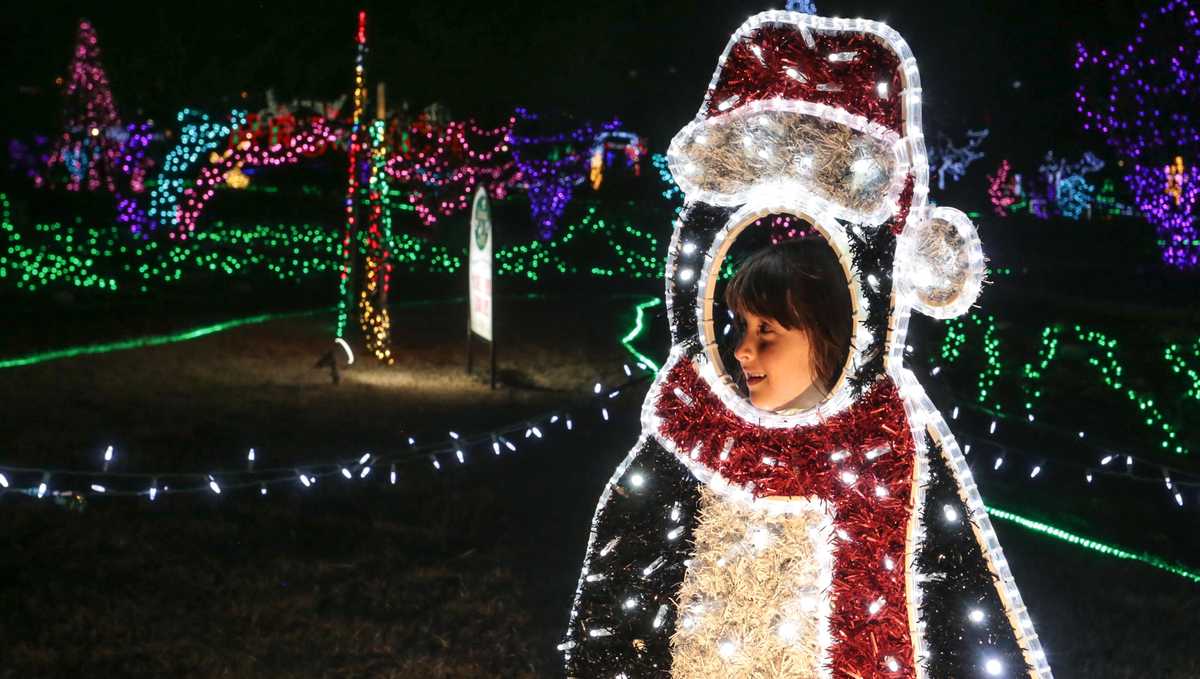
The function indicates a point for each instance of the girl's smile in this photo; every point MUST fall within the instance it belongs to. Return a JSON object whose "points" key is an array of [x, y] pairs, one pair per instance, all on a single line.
{"points": [[776, 361]]}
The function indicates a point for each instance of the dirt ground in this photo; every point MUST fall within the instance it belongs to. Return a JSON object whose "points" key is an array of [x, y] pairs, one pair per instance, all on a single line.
{"points": [[460, 573]]}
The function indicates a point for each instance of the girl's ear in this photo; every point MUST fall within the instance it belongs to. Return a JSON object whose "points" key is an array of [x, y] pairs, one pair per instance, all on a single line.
{"points": [[939, 263]]}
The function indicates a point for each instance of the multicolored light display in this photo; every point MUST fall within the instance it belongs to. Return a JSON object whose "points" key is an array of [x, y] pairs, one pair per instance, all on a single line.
{"points": [[979, 330], [308, 141], [87, 148], [439, 166], [357, 171], [551, 165], [1143, 99], [198, 136]]}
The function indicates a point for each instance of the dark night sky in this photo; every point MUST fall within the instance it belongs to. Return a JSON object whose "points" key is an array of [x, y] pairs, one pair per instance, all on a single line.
{"points": [[647, 62]]}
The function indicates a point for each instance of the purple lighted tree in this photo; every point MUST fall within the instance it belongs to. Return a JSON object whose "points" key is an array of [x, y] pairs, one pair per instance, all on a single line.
{"points": [[551, 176], [1144, 98], [90, 146]]}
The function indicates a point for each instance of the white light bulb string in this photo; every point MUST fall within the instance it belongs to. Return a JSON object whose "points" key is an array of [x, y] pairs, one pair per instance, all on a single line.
{"points": [[1112, 469], [442, 453], [1109, 458]]}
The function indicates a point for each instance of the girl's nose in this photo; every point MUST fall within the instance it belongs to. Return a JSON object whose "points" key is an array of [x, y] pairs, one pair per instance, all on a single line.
{"points": [[743, 352]]}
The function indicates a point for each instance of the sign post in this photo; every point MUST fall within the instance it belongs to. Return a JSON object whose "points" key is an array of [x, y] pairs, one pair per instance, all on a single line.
{"points": [[479, 270]]}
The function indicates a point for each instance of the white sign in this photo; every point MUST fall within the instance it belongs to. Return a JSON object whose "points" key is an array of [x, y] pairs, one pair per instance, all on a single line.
{"points": [[479, 267]]}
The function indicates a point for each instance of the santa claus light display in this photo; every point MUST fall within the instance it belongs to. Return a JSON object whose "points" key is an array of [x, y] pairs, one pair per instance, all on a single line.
{"points": [[848, 539]]}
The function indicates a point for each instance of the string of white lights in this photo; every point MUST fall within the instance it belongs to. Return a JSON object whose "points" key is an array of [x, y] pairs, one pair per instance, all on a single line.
{"points": [[1109, 461], [439, 452]]}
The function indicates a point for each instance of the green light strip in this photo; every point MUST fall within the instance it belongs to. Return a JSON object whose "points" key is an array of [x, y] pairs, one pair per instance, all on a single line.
{"points": [[1108, 550], [638, 328], [151, 341]]}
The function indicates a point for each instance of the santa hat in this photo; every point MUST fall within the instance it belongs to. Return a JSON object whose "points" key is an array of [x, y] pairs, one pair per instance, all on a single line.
{"points": [[791, 89]]}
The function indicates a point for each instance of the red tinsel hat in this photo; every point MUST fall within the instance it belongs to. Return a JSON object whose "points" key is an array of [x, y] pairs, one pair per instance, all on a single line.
{"points": [[850, 71], [771, 57]]}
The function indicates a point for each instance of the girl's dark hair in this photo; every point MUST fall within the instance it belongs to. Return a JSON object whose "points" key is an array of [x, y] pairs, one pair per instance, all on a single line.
{"points": [[800, 284]]}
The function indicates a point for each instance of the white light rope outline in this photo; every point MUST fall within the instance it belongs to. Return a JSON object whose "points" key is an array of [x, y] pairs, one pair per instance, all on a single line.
{"points": [[903, 303], [889, 201]]}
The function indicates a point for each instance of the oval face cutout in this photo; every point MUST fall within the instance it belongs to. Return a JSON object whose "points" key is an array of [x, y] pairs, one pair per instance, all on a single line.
{"points": [[782, 316]]}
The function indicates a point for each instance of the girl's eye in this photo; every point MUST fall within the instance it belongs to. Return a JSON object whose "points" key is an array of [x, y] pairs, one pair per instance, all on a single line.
{"points": [[764, 328]]}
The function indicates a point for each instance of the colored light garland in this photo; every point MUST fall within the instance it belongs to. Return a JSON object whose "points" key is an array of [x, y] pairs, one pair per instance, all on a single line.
{"points": [[1108, 203], [639, 328], [111, 260], [374, 319], [1063, 187], [86, 149], [1167, 196], [1004, 189], [151, 340], [1094, 545], [309, 141], [199, 135], [1103, 358], [1075, 197], [439, 166], [636, 252], [356, 167], [1185, 362], [1142, 98], [672, 192]]}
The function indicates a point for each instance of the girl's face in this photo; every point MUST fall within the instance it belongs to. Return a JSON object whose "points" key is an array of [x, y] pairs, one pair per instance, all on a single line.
{"points": [[776, 361]]}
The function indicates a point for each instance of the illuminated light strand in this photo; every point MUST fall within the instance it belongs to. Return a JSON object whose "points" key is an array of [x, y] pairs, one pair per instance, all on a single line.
{"points": [[1105, 463], [956, 337], [151, 340], [199, 135], [1167, 196], [1103, 358], [1184, 364], [310, 141], [1094, 545], [109, 260], [356, 164], [440, 166], [374, 320], [1063, 186], [672, 192], [640, 327], [1004, 190], [355, 468]]}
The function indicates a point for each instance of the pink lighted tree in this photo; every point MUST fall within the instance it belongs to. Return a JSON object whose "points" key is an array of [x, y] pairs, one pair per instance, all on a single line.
{"points": [[89, 147]]}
